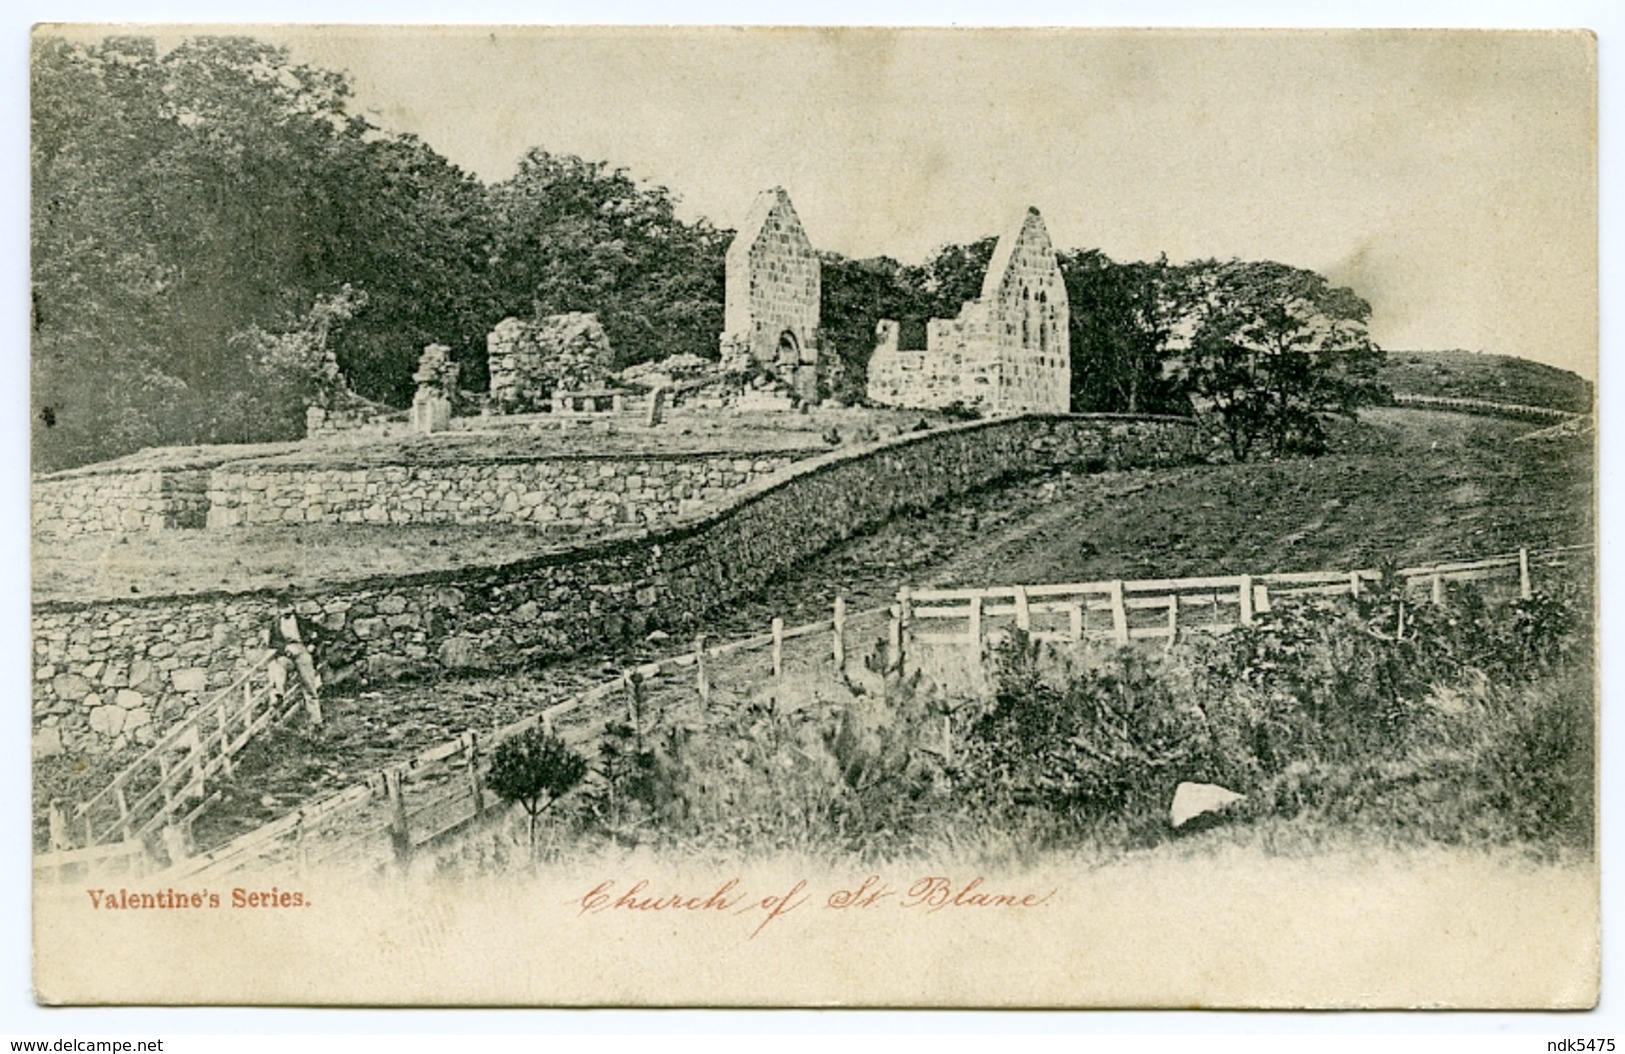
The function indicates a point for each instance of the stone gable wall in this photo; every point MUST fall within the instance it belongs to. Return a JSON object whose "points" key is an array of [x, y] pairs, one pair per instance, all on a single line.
{"points": [[1029, 327], [1008, 351], [773, 285], [109, 676]]}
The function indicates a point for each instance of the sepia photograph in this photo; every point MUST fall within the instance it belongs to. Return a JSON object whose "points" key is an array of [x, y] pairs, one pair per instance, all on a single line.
{"points": [[813, 517]]}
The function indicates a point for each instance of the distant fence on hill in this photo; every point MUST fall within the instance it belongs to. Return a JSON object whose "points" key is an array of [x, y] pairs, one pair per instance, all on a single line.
{"points": [[1485, 408]]}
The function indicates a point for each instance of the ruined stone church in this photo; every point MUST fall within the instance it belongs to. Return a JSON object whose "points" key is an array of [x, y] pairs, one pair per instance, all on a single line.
{"points": [[1007, 351]]}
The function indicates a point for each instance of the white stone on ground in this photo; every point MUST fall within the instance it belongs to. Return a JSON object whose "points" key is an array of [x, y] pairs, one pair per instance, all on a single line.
{"points": [[1193, 799]]}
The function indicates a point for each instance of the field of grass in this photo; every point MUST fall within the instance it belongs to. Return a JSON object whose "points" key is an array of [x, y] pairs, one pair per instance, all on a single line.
{"points": [[1494, 378], [683, 431]]}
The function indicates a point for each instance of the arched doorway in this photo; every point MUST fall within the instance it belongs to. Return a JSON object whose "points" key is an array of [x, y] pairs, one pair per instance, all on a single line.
{"points": [[789, 351]]}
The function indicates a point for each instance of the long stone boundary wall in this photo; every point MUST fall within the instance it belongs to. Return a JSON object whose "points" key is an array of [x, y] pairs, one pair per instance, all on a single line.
{"points": [[566, 494], [113, 674]]}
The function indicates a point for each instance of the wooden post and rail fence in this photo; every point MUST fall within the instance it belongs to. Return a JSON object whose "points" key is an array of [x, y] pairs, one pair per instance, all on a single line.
{"points": [[1123, 611], [169, 784], [384, 820]]}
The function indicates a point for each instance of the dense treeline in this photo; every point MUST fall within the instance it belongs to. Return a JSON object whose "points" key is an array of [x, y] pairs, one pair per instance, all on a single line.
{"points": [[191, 207], [213, 228]]}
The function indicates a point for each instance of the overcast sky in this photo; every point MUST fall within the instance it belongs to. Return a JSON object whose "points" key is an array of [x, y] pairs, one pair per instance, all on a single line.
{"points": [[1449, 177]]}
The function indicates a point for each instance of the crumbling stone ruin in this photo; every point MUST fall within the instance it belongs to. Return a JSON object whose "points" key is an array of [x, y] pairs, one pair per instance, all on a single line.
{"points": [[770, 316], [436, 379], [1008, 350], [529, 361], [334, 406]]}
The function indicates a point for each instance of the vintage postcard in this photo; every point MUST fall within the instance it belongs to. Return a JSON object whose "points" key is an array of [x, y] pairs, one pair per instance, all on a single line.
{"points": [[814, 517]]}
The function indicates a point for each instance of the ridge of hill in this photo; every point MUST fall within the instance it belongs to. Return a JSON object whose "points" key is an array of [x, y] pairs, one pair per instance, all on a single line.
{"points": [[1479, 375]]}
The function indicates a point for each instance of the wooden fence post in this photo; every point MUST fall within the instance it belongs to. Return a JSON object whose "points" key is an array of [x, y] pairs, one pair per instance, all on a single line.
{"points": [[1074, 616], [194, 754], [163, 781], [1246, 591], [1261, 598], [1525, 586], [1173, 618], [894, 639], [225, 732], [1438, 588], [1354, 583], [1024, 614], [177, 838], [60, 839], [400, 835], [124, 814], [301, 844], [976, 628], [1119, 612], [840, 635], [702, 677], [476, 782], [778, 648]]}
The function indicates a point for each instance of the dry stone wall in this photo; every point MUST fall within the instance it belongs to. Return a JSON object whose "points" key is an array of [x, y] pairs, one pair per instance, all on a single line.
{"points": [[110, 675], [564, 494], [78, 503]]}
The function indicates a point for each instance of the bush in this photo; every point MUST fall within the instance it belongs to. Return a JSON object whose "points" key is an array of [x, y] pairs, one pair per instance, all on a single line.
{"points": [[1472, 726]]}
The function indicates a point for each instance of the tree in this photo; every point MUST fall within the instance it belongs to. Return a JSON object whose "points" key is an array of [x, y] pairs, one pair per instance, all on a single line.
{"points": [[184, 202], [857, 294], [576, 235], [535, 769], [955, 275], [1123, 318], [299, 366], [1275, 350]]}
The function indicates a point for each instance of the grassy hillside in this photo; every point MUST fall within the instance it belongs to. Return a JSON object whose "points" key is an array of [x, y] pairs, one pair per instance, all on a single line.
{"points": [[1496, 378]]}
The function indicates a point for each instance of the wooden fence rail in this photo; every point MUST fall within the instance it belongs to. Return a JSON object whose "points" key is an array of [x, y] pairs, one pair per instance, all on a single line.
{"points": [[1485, 407]]}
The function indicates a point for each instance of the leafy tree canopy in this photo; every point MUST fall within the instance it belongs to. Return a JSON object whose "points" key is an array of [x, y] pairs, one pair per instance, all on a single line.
{"points": [[1275, 349]]}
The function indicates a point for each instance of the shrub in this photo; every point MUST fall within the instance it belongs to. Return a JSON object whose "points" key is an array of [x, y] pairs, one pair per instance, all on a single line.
{"points": [[535, 769]]}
